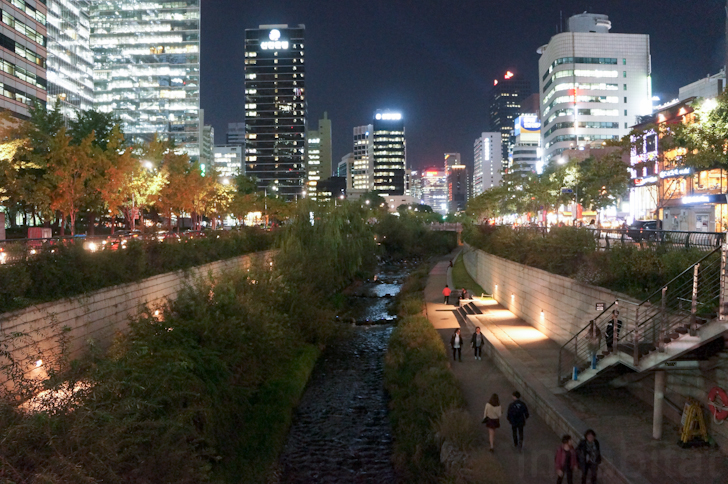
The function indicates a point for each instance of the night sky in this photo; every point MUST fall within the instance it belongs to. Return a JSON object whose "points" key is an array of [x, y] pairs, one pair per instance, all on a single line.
{"points": [[436, 60]]}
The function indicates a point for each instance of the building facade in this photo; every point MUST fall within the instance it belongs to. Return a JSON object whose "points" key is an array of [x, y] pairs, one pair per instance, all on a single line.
{"points": [[235, 134], [23, 45], [487, 162], [275, 108], [708, 87], [228, 161], [318, 155], [207, 147], [526, 150], [594, 85], [458, 188], [362, 169], [434, 190], [504, 106], [147, 68], [70, 60], [390, 153]]}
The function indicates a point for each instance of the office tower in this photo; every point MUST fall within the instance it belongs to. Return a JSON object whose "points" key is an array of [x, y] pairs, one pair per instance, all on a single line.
{"points": [[147, 68], [526, 151], [207, 146], [450, 160], [362, 171], [504, 106], [458, 187], [487, 162], [594, 84], [70, 60], [416, 186], [318, 155], [275, 108], [344, 170], [24, 56], [235, 134], [434, 190], [390, 154], [228, 160]]}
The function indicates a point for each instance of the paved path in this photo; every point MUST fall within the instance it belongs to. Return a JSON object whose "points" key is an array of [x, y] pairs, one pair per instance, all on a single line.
{"points": [[479, 380], [621, 420]]}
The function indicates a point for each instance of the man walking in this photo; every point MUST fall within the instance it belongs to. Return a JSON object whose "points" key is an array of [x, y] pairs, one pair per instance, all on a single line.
{"points": [[456, 342], [615, 321], [590, 456], [446, 292], [517, 415], [477, 342]]}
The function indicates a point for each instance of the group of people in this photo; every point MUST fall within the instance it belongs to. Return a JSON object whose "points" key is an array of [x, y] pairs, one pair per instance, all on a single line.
{"points": [[447, 292], [594, 334], [477, 341], [517, 416]]}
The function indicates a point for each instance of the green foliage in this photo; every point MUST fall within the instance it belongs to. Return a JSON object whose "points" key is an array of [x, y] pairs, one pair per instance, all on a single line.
{"points": [[461, 278], [703, 142], [603, 182], [72, 270], [456, 426], [406, 237]]}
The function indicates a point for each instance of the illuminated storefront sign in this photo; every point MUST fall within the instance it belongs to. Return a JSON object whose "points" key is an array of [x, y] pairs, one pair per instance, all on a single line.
{"points": [[676, 172], [640, 182], [389, 116], [695, 199]]}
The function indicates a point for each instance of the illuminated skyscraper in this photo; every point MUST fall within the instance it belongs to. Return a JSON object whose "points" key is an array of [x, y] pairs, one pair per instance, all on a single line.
{"points": [[275, 108], [390, 153], [23, 43], [504, 106], [147, 67], [487, 162], [70, 60], [362, 168], [318, 155]]}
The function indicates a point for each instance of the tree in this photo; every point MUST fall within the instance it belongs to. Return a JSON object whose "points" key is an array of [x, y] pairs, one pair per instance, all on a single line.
{"points": [[102, 125], [602, 182], [702, 136]]}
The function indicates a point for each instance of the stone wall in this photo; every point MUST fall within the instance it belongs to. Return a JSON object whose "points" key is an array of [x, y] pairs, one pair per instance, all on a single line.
{"points": [[557, 306], [96, 317]]}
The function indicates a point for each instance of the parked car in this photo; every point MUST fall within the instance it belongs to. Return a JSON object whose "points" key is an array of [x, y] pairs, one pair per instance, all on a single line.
{"points": [[643, 230]]}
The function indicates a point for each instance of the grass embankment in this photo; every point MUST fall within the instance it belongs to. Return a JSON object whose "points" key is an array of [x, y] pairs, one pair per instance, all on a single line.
{"points": [[461, 278], [70, 271]]}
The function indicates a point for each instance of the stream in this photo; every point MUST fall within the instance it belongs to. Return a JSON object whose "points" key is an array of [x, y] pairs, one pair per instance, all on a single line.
{"points": [[341, 431]]}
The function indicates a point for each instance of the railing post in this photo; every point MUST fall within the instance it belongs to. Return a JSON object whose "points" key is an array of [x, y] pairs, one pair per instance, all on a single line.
{"points": [[575, 369], [694, 307], [663, 320], [636, 355], [723, 309]]}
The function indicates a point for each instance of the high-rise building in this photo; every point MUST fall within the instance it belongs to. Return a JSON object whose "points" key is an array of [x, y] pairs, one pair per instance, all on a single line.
{"points": [[416, 185], [504, 106], [451, 159], [344, 170], [318, 155], [487, 164], [390, 153], [594, 84], [23, 45], [207, 146], [526, 151], [235, 134], [362, 170], [275, 108], [434, 190], [228, 160], [147, 68], [458, 187], [70, 60]]}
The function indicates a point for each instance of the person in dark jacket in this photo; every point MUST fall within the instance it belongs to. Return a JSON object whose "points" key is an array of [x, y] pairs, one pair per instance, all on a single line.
{"points": [[615, 321], [477, 341], [565, 461], [456, 343], [589, 456], [517, 416]]}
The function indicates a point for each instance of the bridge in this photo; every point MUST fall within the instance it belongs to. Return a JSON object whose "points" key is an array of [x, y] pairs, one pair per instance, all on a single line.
{"points": [[446, 227]]}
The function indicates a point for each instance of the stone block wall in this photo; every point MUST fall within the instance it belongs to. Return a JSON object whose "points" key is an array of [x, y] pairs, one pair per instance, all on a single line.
{"points": [[96, 317]]}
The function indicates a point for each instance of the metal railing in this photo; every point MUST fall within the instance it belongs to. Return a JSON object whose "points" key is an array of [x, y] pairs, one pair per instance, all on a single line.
{"points": [[675, 309]]}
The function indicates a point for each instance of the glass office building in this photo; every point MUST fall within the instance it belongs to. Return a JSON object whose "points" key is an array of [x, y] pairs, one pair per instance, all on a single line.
{"points": [[70, 61], [275, 108], [390, 158], [147, 67]]}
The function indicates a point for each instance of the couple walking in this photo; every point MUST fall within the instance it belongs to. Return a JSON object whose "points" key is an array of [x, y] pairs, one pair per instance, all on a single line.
{"points": [[587, 456], [477, 341], [517, 416]]}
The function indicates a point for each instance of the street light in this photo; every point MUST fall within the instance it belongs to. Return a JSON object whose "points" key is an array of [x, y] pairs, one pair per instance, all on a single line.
{"points": [[561, 161]]}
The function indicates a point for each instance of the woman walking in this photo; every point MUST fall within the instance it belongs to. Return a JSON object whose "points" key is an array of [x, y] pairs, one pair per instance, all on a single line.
{"points": [[477, 341], [565, 461], [491, 418]]}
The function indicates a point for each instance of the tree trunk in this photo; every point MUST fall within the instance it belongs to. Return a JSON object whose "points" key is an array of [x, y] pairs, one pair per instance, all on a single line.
{"points": [[72, 219], [91, 228]]}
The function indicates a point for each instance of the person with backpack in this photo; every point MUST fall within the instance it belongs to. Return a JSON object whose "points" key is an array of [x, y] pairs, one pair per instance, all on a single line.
{"points": [[590, 456], [517, 416]]}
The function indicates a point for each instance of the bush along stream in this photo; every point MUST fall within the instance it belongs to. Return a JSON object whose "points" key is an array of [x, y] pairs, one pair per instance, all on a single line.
{"points": [[204, 391]]}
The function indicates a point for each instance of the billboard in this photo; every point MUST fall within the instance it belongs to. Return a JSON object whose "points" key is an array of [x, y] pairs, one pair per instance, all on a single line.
{"points": [[527, 123]]}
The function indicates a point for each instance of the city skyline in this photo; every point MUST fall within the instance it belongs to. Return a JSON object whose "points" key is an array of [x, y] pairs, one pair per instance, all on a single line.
{"points": [[437, 64]]}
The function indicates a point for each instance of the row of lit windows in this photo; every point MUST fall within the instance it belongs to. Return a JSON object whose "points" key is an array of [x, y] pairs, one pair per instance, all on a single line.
{"points": [[584, 137], [581, 60], [580, 87], [23, 74], [581, 73], [583, 124], [21, 50], [583, 99], [16, 94], [30, 11]]}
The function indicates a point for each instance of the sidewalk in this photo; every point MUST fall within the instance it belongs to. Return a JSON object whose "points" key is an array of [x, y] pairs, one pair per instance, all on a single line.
{"points": [[623, 423], [479, 380]]}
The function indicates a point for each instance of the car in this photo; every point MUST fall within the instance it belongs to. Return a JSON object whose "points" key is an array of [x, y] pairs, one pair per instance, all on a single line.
{"points": [[643, 230]]}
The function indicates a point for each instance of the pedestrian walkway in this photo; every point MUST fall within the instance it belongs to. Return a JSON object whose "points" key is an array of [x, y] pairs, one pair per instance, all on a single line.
{"points": [[479, 380], [623, 423]]}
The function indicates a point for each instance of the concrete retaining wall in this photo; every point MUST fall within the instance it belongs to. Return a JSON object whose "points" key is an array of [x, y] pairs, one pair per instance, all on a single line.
{"points": [[557, 306], [96, 317]]}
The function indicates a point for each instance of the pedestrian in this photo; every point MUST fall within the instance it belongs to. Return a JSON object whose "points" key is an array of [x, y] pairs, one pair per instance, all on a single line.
{"points": [[610, 330], [565, 461], [477, 342], [450, 263], [464, 294], [589, 456], [517, 416], [456, 342], [491, 418], [594, 339], [446, 292]]}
